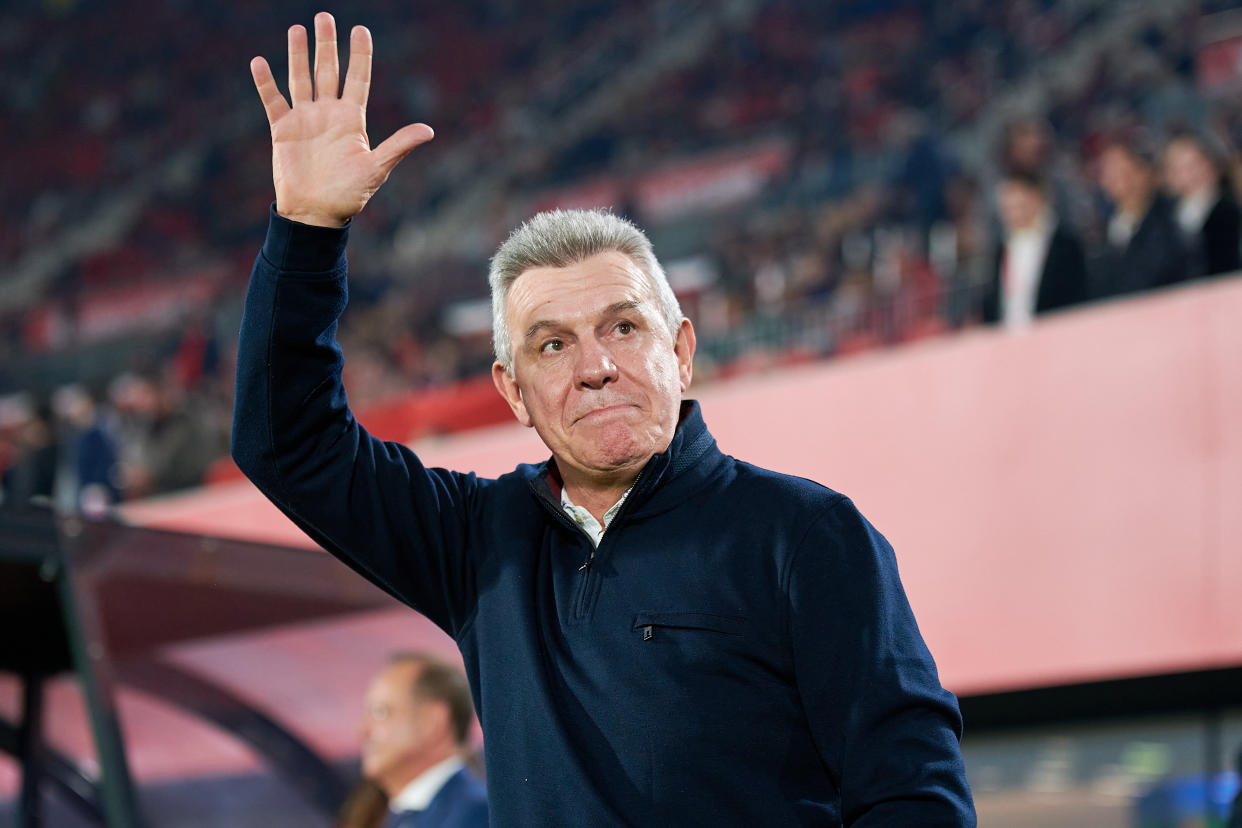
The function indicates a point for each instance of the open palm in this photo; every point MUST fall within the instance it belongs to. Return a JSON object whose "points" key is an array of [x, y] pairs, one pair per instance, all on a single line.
{"points": [[322, 163]]}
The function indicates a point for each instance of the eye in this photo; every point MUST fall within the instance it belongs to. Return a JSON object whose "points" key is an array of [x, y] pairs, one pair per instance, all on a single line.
{"points": [[625, 328], [551, 346]]}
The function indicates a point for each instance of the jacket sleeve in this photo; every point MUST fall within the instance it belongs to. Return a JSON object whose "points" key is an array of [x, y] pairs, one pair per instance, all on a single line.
{"points": [[885, 729], [371, 503], [990, 300]]}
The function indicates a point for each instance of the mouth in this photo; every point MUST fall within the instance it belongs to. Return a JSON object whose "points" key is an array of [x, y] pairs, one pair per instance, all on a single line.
{"points": [[604, 411]]}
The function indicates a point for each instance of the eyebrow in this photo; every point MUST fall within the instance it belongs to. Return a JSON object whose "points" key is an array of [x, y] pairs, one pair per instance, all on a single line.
{"points": [[612, 310]]}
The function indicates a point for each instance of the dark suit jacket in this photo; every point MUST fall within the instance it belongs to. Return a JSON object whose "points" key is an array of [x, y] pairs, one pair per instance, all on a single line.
{"points": [[1062, 280], [1154, 257], [1216, 249], [461, 803]]}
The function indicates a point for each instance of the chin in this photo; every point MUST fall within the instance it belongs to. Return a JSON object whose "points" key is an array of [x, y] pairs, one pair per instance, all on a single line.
{"points": [[615, 452]]}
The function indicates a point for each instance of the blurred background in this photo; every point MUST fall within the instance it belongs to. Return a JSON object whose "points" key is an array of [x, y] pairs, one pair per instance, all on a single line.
{"points": [[973, 263]]}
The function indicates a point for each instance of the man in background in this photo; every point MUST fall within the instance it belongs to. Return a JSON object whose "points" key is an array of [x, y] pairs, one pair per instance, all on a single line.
{"points": [[1040, 265], [1205, 208], [1143, 249], [415, 732]]}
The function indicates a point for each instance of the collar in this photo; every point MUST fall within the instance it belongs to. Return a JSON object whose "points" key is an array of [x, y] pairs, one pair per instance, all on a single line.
{"points": [[1041, 229], [418, 793], [1192, 210], [587, 520]]}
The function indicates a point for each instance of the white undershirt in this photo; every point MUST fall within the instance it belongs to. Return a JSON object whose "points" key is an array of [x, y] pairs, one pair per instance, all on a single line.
{"points": [[1192, 211], [417, 795], [1025, 252], [1121, 227], [587, 520]]}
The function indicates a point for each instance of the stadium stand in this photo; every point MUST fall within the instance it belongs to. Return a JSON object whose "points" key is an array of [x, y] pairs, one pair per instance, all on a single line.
{"points": [[812, 175]]}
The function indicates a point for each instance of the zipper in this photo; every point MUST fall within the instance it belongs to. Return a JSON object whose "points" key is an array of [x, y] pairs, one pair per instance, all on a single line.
{"points": [[580, 609], [559, 513], [580, 602]]}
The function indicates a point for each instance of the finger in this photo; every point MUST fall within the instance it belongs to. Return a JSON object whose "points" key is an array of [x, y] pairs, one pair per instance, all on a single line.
{"points": [[300, 89], [400, 143], [327, 67], [358, 76], [274, 103]]}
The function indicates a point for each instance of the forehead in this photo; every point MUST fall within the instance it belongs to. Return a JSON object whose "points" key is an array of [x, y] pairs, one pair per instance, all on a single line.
{"points": [[395, 682], [1121, 158], [1183, 150], [581, 289], [1015, 188]]}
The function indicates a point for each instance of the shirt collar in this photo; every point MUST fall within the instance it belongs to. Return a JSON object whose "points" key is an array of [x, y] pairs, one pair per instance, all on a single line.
{"points": [[1041, 228], [420, 790], [587, 520], [1192, 211]]}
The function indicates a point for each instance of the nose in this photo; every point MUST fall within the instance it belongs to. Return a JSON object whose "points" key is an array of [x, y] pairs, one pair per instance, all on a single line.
{"points": [[595, 367]]}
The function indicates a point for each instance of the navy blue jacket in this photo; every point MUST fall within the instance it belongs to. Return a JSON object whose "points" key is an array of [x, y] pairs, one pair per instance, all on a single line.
{"points": [[460, 803], [739, 652]]}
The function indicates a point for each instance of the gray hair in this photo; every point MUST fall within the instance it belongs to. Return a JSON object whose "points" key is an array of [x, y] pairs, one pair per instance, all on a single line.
{"points": [[560, 238]]}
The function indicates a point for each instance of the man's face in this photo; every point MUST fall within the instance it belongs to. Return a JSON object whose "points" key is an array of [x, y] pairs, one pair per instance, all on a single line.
{"points": [[1122, 177], [1020, 205], [396, 728], [596, 371], [1186, 169]]}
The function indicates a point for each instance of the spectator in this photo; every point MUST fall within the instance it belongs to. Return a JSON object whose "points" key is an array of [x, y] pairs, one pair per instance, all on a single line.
{"points": [[1143, 249], [167, 435], [1039, 265], [31, 477], [1026, 146], [1206, 209], [92, 467], [415, 733]]}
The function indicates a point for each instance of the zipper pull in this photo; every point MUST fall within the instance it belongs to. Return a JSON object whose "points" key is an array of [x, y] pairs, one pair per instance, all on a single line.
{"points": [[586, 565], [647, 633]]}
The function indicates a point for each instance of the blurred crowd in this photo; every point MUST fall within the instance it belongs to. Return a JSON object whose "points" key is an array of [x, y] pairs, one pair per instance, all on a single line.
{"points": [[138, 186]]}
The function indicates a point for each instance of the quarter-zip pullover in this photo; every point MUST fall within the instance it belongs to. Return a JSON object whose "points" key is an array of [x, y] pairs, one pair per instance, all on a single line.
{"points": [[738, 650]]}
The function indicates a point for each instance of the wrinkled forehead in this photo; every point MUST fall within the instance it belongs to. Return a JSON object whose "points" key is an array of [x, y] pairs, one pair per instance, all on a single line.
{"points": [[581, 289]]}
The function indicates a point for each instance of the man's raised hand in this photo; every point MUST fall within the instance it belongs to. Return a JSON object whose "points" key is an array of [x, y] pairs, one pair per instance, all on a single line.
{"points": [[322, 163]]}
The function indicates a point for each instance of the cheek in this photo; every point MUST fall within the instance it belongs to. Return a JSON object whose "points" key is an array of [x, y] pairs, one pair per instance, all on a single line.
{"points": [[545, 398], [664, 376]]}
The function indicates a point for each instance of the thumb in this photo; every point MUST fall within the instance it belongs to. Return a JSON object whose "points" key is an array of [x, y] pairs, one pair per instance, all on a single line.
{"points": [[399, 144]]}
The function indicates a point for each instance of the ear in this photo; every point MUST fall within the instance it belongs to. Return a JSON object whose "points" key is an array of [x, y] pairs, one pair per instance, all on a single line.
{"points": [[507, 385], [683, 347]]}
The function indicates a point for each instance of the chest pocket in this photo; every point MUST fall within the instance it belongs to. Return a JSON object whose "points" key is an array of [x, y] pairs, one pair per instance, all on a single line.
{"points": [[648, 623], [690, 640]]}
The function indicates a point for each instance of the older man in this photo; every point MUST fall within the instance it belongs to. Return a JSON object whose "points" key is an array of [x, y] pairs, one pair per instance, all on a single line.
{"points": [[655, 633]]}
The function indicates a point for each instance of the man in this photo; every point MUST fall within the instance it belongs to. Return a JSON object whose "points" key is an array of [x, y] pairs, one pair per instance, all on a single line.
{"points": [[416, 728], [1144, 248], [1206, 212], [655, 634], [1040, 265]]}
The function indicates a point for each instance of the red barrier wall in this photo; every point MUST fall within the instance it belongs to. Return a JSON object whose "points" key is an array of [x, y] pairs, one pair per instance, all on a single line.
{"points": [[1060, 499]]}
